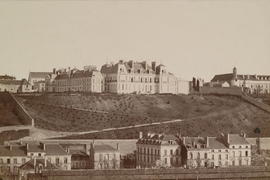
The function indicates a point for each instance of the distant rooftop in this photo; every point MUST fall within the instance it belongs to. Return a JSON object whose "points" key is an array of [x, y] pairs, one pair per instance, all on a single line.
{"points": [[104, 148]]}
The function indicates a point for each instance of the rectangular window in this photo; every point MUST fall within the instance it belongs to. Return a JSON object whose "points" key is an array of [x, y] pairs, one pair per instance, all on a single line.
{"points": [[213, 156], [165, 160], [15, 161], [219, 157], [66, 160], [8, 161], [57, 161], [165, 152], [246, 153], [171, 152], [1, 161]]}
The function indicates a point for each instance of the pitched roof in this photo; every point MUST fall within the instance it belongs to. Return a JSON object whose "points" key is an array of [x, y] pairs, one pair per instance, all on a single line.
{"points": [[7, 77], [223, 77], [191, 142], [11, 82], [50, 149], [215, 143], [76, 74], [30, 164], [39, 74], [237, 139], [14, 151], [104, 148]]}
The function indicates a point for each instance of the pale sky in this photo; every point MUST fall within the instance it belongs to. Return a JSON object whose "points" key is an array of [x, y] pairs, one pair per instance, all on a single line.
{"points": [[191, 37]]}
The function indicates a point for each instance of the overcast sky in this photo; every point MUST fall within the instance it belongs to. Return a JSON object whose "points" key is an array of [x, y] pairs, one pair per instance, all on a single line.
{"points": [[191, 37]]}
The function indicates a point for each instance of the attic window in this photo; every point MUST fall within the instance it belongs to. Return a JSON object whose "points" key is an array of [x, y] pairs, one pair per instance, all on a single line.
{"points": [[138, 71]]}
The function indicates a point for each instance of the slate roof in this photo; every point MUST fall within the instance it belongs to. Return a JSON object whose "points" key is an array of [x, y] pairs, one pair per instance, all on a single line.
{"points": [[158, 139], [104, 148], [237, 139], [6, 77], [77, 74], [29, 165], [190, 142], [39, 74], [215, 143], [229, 77], [15, 151]]}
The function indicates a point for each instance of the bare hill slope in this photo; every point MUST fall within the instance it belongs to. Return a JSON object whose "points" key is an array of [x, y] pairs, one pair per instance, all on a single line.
{"points": [[207, 115]]}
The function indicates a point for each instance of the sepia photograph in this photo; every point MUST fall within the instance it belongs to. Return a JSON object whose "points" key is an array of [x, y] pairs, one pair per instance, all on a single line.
{"points": [[134, 89]]}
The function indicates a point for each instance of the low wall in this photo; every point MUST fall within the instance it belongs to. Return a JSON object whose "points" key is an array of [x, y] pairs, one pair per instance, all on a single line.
{"points": [[251, 173]]}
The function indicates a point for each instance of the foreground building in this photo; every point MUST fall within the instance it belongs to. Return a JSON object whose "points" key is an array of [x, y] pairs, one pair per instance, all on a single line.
{"points": [[158, 150], [253, 84], [104, 157], [230, 150], [14, 158], [139, 77]]}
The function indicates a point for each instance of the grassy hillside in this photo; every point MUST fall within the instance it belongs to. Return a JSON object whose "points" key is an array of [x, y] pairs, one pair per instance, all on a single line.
{"points": [[8, 113], [208, 115]]}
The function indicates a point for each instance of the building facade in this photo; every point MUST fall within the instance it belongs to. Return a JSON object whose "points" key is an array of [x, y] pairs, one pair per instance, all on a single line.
{"points": [[253, 84], [37, 80], [232, 150], [13, 157], [139, 77], [74, 80], [158, 150], [104, 157], [14, 86]]}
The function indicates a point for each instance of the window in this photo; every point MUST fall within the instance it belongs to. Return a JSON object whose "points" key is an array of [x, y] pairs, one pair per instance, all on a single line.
{"points": [[165, 152], [233, 147], [240, 153], [213, 156], [227, 156], [66, 160], [233, 154], [15, 161], [219, 156], [57, 161], [39, 154], [8, 161], [1, 161], [165, 160], [240, 147], [205, 155], [246, 153], [198, 156], [171, 152], [191, 155]]}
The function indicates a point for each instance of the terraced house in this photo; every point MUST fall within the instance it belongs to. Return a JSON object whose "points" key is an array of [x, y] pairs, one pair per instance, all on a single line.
{"points": [[139, 77], [158, 150], [33, 157]]}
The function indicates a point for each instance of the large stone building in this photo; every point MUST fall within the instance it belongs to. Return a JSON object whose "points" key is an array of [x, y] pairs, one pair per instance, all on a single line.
{"points": [[258, 84], [224, 151], [139, 77], [158, 150], [73, 80]]}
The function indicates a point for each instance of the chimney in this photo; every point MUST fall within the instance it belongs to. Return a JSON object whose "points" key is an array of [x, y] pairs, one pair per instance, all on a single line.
{"points": [[35, 162], [27, 146], [207, 142], [184, 140], [228, 138], [45, 162], [10, 147], [141, 135], [154, 65], [54, 70]]}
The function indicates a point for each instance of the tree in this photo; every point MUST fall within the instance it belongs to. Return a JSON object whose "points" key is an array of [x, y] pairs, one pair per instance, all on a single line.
{"points": [[257, 131]]}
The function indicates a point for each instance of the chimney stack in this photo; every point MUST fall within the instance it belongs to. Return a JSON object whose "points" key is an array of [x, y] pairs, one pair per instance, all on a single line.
{"points": [[154, 66], [27, 146], [207, 142], [10, 147], [184, 140], [35, 162], [45, 162], [141, 135], [228, 138]]}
